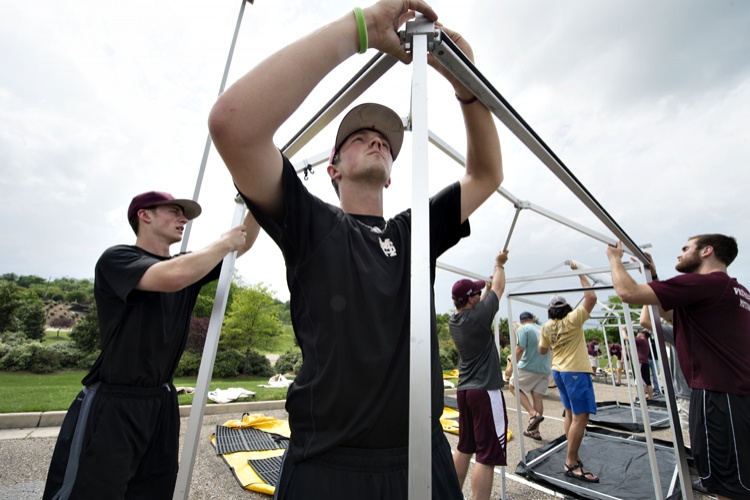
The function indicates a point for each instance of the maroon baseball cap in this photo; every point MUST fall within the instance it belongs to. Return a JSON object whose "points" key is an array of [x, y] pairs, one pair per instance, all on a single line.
{"points": [[152, 199], [465, 288], [371, 116]]}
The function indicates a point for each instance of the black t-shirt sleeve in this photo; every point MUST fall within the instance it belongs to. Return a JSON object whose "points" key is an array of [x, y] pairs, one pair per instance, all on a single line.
{"points": [[305, 223], [446, 228], [120, 268]]}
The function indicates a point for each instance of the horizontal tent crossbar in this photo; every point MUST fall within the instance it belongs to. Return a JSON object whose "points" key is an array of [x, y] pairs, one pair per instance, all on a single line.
{"points": [[462, 68]]}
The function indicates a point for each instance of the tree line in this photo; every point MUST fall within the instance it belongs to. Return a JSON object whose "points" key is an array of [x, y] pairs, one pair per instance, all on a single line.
{"points": [[254, 320]]}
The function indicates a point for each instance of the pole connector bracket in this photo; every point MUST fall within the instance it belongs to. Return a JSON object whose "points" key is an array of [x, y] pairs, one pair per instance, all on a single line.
{"points": [[420, 25]]}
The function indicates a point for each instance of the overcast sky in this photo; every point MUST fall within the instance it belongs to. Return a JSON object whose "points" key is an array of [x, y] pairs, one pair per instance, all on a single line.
{"points": [[647, 103]]}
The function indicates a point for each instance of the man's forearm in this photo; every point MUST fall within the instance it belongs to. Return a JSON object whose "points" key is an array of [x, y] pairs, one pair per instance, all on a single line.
{"points": [[179, 272]]}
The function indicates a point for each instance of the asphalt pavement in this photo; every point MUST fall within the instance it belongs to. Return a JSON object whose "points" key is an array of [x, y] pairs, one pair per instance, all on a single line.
{"points": [[25, 455]]}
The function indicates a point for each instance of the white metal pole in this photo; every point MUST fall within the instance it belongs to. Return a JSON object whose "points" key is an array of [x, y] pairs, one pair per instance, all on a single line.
{"points": [[420, 462], [519, 408], [628, 365], [207, 148], [190, 447], [609, 363], [644, 411]]}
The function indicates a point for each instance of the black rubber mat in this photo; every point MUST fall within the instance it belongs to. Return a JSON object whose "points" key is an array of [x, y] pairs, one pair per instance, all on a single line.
{"points": [[230, 440], [610, 414], [450, 402], [620, 460], [268, 469]]}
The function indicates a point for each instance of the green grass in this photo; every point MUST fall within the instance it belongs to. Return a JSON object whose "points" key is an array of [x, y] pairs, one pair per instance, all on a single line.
{"points": [[28, 392], [51, 336]]}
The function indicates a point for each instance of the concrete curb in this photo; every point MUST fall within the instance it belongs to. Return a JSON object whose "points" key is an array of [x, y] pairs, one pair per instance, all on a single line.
{"points": [[55, 418]]}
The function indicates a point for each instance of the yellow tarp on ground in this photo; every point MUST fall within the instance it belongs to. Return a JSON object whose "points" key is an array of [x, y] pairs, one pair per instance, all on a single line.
{"points": [[261, 422], [244, 473]]}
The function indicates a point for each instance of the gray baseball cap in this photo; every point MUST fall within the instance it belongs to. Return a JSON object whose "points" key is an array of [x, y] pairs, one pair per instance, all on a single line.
{"points": [[371, 116]]}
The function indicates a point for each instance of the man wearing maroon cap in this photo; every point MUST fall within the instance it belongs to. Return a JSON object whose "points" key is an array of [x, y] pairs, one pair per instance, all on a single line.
{"points": [[710, 312], [348, 268], [120, 436], [483, 420]]}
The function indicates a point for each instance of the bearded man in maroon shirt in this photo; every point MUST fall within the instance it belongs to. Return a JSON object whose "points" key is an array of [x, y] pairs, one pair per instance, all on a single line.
{"points": [[710, 312]]}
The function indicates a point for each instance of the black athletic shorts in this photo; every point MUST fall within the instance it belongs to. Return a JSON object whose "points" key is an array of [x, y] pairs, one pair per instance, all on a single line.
{"points": [[117, 442], [719, 437], [366, 474], [646, 373]]}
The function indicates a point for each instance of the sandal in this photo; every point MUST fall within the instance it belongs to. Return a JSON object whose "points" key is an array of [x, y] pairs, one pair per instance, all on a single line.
{"points": [[584, 476], [534, 422], [533, 435]]}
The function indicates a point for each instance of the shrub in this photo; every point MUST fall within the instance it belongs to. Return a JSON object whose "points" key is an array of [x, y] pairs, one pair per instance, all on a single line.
{"points": [[448, 357], [31, 356], [197, 334], [290, 361], [228, 362], [86, 332], [32, 318], [257, 364], [189, 364], [88, 360], [13, 338], [70, 355], [45, 359]]}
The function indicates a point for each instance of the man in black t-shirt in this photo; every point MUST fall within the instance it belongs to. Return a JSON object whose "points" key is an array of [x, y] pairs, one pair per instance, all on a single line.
{"points": [[120, 437], [348, 268], [483, 419]]}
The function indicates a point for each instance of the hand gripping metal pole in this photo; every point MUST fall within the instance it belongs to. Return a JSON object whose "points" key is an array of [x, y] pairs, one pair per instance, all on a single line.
{"points": [[190, 447], [418, 34], [207, 148]]}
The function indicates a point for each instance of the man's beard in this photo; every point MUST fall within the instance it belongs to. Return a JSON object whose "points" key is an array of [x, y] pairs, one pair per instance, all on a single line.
{"points": [[689, 264]]}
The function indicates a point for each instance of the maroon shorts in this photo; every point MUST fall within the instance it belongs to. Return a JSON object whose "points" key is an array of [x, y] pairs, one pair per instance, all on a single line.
{"points": [[482, 425]]}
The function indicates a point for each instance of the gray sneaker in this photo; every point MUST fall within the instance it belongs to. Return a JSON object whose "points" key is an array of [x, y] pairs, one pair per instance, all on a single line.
{"points": [[698, 486]]}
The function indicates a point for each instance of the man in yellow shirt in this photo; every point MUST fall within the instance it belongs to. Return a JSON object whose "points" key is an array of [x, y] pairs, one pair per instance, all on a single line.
{"points": [[563, 333]]}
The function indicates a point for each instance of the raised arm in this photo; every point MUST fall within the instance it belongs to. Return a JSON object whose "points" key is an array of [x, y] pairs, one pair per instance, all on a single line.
{"points": [[176, 273], [626, 288], [498, 276], [484, 164], [589, 297], [246, 117]]}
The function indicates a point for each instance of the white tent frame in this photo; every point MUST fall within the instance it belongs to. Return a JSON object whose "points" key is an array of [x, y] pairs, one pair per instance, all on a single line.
{"points": [[419, 37]]}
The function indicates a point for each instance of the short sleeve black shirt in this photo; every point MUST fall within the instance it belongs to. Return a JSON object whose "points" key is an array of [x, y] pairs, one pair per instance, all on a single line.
{"points": [[350, 296], [143, 334]]}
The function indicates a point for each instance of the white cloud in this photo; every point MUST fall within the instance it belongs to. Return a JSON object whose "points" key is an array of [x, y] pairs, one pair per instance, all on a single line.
{"points": [[645, 102]]}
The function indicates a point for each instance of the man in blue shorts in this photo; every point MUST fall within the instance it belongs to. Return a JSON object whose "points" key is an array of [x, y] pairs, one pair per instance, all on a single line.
{"points": [[563, 333]]}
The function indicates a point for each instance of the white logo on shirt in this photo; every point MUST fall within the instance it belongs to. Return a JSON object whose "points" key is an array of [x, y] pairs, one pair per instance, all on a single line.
{"points": [[388, 248]]}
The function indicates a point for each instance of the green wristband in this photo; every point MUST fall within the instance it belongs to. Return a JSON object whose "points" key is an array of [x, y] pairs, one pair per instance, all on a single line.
{"points": [[362, 27]]}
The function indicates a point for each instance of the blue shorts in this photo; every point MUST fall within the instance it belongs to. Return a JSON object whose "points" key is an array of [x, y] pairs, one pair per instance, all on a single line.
{"points": [[576, 391]]}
